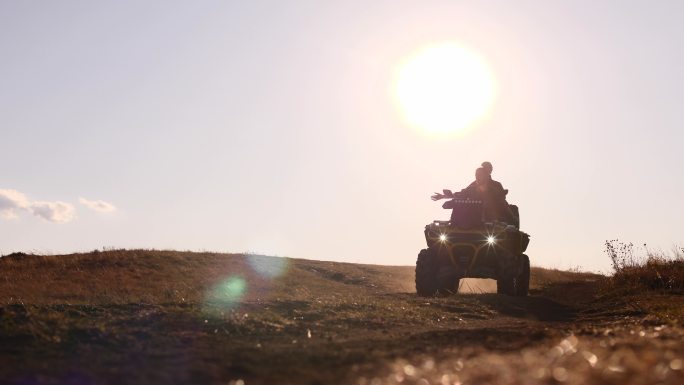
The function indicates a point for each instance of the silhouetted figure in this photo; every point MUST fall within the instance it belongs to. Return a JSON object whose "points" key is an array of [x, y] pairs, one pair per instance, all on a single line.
{"points": [[485, 189]]}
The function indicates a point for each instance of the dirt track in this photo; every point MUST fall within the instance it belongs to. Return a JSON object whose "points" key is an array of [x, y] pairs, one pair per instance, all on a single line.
{"points": [[314, 323]]}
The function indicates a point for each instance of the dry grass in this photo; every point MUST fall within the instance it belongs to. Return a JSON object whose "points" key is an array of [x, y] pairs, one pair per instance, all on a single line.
{"points": [[638, 268], [161, 277]]}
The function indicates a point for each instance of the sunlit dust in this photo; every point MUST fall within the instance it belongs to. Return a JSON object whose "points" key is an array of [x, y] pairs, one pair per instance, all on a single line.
{"points": [[444, 88]]}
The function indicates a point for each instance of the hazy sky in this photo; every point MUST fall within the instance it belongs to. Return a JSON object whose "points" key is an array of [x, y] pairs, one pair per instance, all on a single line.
{"points": [[270, 126]]}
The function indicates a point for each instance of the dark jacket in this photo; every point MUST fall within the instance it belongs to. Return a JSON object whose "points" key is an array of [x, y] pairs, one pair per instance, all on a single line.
{"points": [[493, 197], [490, 191]]}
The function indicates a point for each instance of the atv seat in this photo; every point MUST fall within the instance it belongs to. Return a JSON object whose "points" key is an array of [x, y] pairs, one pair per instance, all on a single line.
{"points": [[516, 215]]}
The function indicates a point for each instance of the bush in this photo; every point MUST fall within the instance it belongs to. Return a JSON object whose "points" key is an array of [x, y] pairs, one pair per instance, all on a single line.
{"points": [[646, 269]]}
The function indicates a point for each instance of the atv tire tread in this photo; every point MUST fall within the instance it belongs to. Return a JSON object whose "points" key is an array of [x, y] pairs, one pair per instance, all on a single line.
{"points": [[522, 281], [505, 285], [426, 273]]}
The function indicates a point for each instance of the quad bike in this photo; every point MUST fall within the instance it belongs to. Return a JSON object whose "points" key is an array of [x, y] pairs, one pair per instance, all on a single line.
{"points": [[468, 247]]}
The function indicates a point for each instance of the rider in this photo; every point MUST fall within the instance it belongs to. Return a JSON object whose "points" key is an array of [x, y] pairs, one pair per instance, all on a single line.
{"points": [[490, 192]]}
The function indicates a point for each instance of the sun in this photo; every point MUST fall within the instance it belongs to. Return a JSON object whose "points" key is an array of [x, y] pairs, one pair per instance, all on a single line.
{"points": [[444, 88]]}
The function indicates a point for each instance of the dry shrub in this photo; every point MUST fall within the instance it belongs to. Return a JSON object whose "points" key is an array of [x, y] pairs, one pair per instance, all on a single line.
{"points": [[641, 268]]}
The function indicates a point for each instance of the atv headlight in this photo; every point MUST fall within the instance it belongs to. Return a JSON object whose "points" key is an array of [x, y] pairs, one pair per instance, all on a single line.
{"points": [[491, 240], [442, 237]]}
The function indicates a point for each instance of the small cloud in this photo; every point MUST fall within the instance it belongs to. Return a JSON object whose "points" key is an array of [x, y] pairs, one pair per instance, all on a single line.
{"points": [[101, 206], [10, 202], [59, 212], [13, 201]]}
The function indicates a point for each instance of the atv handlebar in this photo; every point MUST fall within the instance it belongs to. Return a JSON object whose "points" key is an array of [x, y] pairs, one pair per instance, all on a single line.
{"points": [[447, 194]]}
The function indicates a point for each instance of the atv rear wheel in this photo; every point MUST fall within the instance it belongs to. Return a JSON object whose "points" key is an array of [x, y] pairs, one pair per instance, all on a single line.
{"points": [[426, 273], [505, 285], [522, 281]]}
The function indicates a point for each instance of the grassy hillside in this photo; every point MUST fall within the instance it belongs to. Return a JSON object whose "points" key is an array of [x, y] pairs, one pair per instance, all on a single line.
{"points": [[151, 276], [165, 317]]}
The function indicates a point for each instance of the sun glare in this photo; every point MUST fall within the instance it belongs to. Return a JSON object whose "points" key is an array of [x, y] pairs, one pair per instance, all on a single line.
{"points": [[444, 88]]}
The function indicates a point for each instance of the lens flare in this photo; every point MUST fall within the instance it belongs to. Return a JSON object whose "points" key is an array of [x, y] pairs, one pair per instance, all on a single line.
{"points": [[268, 267], [491, 240], [229, 291]]}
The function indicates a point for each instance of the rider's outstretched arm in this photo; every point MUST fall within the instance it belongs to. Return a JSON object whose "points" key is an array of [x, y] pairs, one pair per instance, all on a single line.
{"points": [[437, 196], [444, 195]]}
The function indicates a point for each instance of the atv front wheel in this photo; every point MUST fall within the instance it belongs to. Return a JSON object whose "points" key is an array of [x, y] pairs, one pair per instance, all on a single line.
{"points": [[522, 281], [518, 285], [426, 273]]}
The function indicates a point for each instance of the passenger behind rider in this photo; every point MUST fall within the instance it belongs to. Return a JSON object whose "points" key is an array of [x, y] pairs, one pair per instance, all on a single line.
{"points": [[484, 187], [492, 194]]}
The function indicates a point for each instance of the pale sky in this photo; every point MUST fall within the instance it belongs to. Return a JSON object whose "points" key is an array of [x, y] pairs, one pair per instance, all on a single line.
{"points": [[270, 126]]}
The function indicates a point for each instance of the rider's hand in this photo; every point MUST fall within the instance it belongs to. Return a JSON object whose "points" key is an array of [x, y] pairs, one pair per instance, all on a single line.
{"points": [[437, 197]]}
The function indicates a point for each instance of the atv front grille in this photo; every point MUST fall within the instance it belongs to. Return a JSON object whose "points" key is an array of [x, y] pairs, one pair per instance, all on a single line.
{"points": [[462, 254]]}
